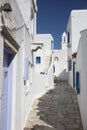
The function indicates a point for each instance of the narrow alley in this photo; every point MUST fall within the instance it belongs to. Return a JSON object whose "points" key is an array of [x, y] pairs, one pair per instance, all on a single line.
{"points": [[57, 109]]}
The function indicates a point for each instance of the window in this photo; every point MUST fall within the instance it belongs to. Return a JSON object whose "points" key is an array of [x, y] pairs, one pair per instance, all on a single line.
{"points": [[56, 59], [54, 68], [32, 13], [64, 39], [52, 45], [68, 37], [77, 83], [69, 64], [38, 60]]}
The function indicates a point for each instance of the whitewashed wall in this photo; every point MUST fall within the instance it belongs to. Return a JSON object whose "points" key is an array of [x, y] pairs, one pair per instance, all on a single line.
{"points": [[46, 39], [74, 26], [81, 66], [24, 94], [39, 53], [1, 72], [41, 82], [17, 19], [77, 25], [21, 98], [50, 81], [60, 64], [26, 8]]}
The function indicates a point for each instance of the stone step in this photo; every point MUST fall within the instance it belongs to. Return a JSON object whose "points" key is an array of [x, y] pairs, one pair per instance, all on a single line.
{"points": [[57, 109]]}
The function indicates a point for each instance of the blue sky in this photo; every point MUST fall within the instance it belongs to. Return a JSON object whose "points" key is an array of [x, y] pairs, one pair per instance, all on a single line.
{"points": [[53, 16]]}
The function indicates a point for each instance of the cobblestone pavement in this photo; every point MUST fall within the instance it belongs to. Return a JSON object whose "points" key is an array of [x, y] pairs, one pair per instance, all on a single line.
{"points": [[56, 110]]}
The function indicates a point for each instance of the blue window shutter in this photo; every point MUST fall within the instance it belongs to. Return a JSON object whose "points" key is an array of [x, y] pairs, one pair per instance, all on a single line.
{"points": [[77, 83], [38, 60], [26, 69]]}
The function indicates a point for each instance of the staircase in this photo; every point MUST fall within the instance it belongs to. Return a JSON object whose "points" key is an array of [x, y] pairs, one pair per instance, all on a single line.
{"points": [[57, 109]]}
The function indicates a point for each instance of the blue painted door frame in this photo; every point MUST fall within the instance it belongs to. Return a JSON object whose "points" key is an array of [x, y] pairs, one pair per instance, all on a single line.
{"points": [[7, 91]]}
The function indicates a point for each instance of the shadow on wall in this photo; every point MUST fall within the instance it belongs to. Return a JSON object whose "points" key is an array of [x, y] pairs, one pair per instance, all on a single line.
{"points": [[63, 76]]}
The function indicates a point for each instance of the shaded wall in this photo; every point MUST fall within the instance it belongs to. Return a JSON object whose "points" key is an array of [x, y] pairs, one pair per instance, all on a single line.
{"points": [[81, 66]]}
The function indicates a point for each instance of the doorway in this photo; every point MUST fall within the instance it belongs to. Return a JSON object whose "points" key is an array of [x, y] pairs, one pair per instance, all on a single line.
{"points": [[6, 101], [74, 74]]}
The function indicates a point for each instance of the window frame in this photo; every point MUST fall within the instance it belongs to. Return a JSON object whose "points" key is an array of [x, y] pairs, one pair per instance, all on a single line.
{"points": [[38, 60]]}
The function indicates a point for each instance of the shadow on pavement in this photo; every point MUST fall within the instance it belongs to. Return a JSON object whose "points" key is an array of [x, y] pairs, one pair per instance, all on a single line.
{"points": [[59, 109]]}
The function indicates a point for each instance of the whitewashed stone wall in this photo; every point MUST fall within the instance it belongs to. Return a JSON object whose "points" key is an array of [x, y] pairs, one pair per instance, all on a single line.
{"points": [[60, 64], [21, 100], [74, 26], [81, 66]]}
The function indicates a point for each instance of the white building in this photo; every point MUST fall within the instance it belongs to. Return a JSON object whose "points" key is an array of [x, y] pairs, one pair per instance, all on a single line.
{"points": [[74, 26], [43, 64], [44, 53], [77, 67], [16, 34], [60, 60], [81, 81], [29, 12], [22, 78]]}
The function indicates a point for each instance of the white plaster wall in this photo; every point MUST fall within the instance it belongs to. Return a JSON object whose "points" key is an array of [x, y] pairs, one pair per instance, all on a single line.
{"points": [[21, 100], [42, 82], [46, 42], [25, 8], [16, 115], [64, 41], [26, 54], [50, 81], [23, 95], [81, 66], [1, 72], [14, 94], [40, 85], [77, 25], [20, 95], [74, 26], [61, 64], [69, 51], [46, 39], [19, 89], [39, 53]]}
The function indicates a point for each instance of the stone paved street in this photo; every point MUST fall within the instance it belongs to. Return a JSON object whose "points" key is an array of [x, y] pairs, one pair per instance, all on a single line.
{"points": [[56, 110]]}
